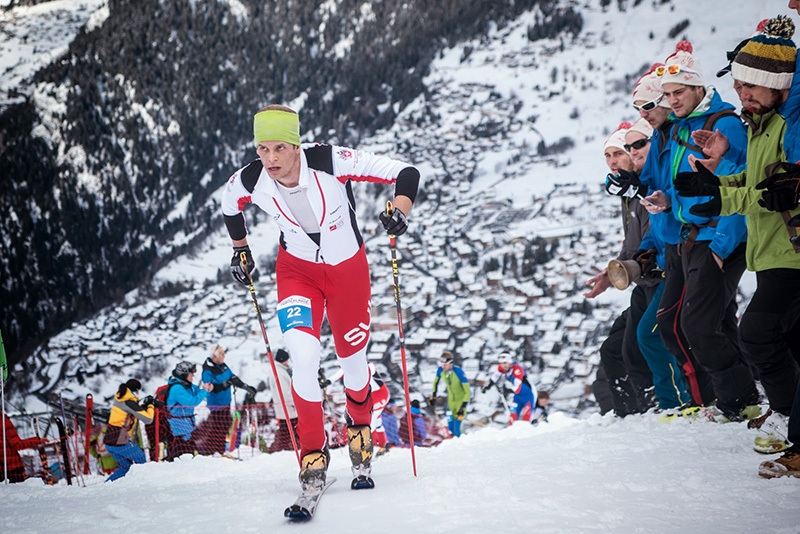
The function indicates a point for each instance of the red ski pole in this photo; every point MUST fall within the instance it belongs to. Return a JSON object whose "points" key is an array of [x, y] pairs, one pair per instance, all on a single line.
{"points": [[396, 275], [89, 408], [243, 262]]}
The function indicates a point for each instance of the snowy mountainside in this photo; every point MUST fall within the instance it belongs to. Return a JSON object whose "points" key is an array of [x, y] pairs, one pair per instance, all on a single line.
{"points": [[510, 222]]}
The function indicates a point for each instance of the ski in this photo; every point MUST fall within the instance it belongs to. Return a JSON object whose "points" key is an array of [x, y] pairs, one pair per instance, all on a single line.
{"points": [[362, 482], [306, 504], [62, 438], [47, 476]]}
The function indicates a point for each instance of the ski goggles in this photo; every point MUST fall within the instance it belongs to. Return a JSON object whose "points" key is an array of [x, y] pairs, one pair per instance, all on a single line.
{"points": [[636, 145], [649, 106], [673, 70]]}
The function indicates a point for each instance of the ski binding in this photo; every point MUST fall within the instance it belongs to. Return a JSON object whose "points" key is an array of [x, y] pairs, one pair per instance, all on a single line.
{"points": [[306, 504]]}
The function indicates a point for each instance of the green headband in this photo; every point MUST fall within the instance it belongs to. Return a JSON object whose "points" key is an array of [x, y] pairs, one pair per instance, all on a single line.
{"points": [[276, 125]]}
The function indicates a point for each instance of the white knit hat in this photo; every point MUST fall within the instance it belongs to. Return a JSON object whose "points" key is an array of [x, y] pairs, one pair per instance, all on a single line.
{"points": [[617, 139], [648, 88], [686, 67], [643, 127]]}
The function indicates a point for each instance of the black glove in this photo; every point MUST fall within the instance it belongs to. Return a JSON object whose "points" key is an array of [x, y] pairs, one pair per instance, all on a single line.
{"points": [[462, 412], [781, 190], [159, 404], [394, 222], [323, 382], [646, 260], [250, 389], [623, 184], [146, 401], [222, 386], [432, 400], [236, 265], [712, 208], [485, 388], [795, 222], [697, 184]]}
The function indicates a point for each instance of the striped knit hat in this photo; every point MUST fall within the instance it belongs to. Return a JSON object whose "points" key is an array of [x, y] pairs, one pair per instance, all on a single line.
{"points": [[768, 59]]}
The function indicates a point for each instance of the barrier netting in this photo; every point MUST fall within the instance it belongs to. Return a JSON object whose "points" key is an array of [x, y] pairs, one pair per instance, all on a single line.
{"points": [[241, 432]]}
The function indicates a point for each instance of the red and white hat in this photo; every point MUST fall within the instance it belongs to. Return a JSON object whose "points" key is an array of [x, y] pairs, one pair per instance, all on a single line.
{"points": [[681, 67], [617, 139], [648, 87]]}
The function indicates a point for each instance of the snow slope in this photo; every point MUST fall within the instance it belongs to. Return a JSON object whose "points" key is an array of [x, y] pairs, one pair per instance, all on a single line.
{"points": [[596, 475]]}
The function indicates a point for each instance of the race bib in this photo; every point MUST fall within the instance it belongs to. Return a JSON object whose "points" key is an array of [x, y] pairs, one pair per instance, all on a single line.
{"points": [[294, 312]]}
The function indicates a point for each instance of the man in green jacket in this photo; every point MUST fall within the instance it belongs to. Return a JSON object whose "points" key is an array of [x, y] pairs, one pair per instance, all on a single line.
{"points": [[457, 386], [764, 70]]}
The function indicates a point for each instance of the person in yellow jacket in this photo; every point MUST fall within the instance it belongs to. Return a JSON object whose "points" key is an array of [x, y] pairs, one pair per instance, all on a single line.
{"points": [[126, 411]]}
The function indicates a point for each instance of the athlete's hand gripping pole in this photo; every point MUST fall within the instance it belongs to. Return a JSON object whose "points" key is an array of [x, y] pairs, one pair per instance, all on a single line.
{"points": [[396, 275]]}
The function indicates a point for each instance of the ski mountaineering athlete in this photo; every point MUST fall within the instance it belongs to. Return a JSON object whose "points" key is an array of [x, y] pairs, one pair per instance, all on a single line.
{"points": [[321, 269], [524, 392]]}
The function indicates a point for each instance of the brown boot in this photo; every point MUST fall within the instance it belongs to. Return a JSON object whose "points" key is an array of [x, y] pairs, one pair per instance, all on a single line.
{"points": [[788, 465]]}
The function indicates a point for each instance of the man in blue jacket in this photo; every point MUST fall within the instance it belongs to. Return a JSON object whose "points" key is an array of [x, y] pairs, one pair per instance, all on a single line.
{"points": [[182, 398], [214, 429], [712, 248]]}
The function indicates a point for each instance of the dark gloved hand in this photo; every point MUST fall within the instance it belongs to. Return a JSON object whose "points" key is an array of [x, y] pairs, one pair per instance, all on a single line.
{"points": [[712, 208], [794, 222], [323, 382], [462, 412], [432, 400], [646, 260], [623, 184], [395, 222], [697, 184], [485, 388], [146, 401], [236, 265], [781, 190], [159, 404], [250, 389]]}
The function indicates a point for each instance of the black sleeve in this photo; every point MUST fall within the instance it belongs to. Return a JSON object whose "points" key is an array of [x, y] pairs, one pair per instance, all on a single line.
{"points": [[236, 381], [407, 183], [320, 157], [236, 226], [219, 387]]}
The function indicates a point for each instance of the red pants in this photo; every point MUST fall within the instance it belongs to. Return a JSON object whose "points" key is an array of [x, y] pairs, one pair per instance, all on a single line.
{"points": [[342, 292]]}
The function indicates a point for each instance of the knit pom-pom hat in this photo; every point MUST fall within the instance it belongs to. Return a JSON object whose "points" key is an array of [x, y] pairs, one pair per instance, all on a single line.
{"points": [[768, 59], [647, 88], [617, 139], [681, 67]]}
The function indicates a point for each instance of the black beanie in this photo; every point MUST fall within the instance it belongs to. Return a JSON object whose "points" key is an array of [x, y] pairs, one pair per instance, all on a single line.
{"points": [[133, 385], [281, 356]]}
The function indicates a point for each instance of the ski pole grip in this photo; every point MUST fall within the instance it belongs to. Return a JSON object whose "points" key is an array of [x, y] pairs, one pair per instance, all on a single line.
{"points": [[243, 265]]}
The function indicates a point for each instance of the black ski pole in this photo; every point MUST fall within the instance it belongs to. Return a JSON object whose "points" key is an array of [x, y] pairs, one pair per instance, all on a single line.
{"points": [[243, 264]]}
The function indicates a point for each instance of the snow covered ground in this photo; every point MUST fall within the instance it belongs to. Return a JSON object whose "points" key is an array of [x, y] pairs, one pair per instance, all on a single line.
{"points": [[600, 474]]}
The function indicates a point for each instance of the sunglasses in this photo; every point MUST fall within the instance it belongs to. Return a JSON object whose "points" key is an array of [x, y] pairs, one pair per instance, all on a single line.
{"points": [[673, 69], [637, 145], [649, 106]]}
